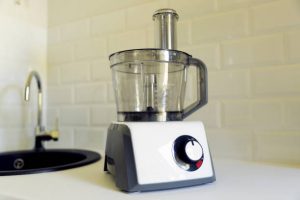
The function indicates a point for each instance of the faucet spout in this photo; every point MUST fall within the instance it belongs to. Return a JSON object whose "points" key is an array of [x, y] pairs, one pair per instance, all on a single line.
{"points": [[41, 134], [34, 74]]}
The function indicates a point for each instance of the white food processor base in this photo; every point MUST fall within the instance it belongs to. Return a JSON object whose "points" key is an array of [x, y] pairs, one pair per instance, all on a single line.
{"points": [[144, 156]]}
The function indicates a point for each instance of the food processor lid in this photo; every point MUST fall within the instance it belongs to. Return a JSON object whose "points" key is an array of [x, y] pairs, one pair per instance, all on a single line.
{"points": [[165, 50], [149, 55], [165, 11]]}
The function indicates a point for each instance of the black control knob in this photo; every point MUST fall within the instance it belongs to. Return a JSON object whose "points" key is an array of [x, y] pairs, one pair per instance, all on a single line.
{"points": [[188, 153]]}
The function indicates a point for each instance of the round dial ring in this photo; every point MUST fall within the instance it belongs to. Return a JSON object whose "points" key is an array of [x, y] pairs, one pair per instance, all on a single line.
{"points": [[188, 153], [193, 150]]}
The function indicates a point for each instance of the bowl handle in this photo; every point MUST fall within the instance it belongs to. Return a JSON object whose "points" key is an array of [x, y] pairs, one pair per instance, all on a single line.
{"points": [[201, 87]]}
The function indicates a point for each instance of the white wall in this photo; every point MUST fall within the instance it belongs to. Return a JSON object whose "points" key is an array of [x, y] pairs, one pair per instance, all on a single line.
{"points": [[23, 39], [251, 48]]}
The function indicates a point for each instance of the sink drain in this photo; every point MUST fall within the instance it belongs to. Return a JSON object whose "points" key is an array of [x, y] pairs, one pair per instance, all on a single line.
{"points": [[19, 163]]}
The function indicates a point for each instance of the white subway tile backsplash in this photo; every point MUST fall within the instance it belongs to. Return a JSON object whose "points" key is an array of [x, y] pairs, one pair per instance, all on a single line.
{"points": [[91, 93], [228, 83], [90, 49], [100, 70], [233, 4], [75, 72], [53, 35], [53, 76], [128, 40], [75, 30], [209, 115], [277, 146], [52, 118], [267, 114], [236, 143], [60, 53], [292, 114], [183, 33], [111, 92], [293, 44], [150, 34], [276, 15], [236, 113], [282, 80], [262, 114], [219, 26], [209, 54], [60, 95], [103, 115], [141, 16], [253, 51], [108, 23], [194, 8], [62, 12], [75, 115], [90, 138]]}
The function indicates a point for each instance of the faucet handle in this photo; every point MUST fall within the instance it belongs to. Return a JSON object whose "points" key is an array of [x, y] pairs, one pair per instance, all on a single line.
{"points": [[54, 135], [46, 136]]}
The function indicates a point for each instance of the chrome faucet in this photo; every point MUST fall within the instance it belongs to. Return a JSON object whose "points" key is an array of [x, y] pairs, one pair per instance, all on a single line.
{"points": [[40, 133], [39, 128]]}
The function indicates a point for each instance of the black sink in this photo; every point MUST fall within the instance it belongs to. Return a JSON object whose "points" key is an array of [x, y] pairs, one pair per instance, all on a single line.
{"points": [[31, 161]]}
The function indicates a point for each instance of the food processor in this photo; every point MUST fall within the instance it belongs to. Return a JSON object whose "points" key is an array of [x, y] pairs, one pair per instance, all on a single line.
{"points": [[149, 147]]}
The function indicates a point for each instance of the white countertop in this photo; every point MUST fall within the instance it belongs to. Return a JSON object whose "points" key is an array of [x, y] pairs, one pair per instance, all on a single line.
{"points": [[235, 180]]}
